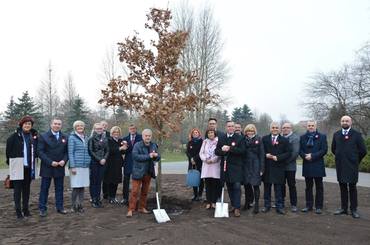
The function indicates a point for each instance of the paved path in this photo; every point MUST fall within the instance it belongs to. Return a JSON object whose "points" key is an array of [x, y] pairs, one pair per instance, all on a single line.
{"points": [[182, 167]]}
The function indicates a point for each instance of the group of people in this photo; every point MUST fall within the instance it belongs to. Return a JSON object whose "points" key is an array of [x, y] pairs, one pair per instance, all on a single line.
{"points": [[245, 159], [95, 161], [104, 159]]}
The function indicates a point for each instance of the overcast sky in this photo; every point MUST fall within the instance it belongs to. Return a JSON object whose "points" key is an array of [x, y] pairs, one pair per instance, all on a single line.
{"points": [[273, 47]]}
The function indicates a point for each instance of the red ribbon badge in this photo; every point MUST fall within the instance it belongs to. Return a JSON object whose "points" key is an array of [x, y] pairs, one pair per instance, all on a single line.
{"points": [[317, 136], [233, 143], [256, 142], [346, 137]]}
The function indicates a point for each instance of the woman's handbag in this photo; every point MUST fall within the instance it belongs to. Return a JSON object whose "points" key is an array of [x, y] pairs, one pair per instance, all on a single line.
{"points": [[193, 178], [8, 183]]}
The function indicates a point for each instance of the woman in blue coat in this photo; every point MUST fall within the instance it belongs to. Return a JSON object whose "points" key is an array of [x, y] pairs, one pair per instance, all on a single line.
{"points": [[79, 163], [313, 148]]}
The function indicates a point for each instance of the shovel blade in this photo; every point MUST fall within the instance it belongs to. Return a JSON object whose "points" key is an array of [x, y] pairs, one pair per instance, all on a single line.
{"points": [[222, 210], [161, 216]]}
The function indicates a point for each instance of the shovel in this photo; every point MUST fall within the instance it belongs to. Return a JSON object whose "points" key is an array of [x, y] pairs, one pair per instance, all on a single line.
{"points": [[222, 209], [160, 214]]}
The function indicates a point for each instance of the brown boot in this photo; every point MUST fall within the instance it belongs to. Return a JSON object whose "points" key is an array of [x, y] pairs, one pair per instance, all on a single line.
{"points": [[237, 212], [129, 214]]}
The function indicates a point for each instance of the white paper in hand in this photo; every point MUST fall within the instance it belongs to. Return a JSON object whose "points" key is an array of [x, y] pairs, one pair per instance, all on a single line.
{"points": [[16, 168]]}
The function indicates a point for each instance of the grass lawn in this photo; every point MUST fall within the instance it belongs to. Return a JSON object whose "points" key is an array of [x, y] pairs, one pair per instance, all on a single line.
{"points": [[166, 157], [173, 157], [2, 160]]}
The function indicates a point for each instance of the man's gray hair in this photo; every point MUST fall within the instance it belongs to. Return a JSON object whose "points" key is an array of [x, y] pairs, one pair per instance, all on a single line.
{"points": [[147, 131], [275, 123]]}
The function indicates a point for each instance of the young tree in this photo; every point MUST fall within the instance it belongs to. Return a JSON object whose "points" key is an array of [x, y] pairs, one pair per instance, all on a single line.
{"points": [[161, 99]]}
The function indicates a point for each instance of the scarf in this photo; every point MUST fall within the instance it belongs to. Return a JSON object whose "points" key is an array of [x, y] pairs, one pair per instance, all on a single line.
{"points": [[310, 138], [195, 139]]}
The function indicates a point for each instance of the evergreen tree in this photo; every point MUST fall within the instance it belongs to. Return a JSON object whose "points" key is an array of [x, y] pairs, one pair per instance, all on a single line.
{"points": [[78, 112], [242, 115], [23, 107]]}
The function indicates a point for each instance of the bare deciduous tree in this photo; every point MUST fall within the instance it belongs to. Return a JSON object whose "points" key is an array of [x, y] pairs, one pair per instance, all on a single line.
{"points": [[48, 99], [202, 54]]}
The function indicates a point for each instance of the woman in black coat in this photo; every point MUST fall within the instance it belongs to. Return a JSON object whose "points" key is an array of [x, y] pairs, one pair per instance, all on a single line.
{"points": [[113, 171], [313, 148], [22, 145], [192, 152], [254, 163]]}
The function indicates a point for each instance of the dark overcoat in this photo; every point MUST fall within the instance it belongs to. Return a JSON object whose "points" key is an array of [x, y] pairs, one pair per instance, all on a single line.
{"points": [[274, 172], [316, 166], [349, 150], [234, 158]]}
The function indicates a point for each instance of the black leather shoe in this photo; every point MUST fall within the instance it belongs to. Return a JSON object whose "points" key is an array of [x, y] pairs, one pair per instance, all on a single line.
{"points": [[294, 209], [124, 202], [306, 210], [340, 211], [62, 211], [280, 211], [19, 214], [318, 211], [265, 209], [43, 213], [26, 213], [355, 215]]}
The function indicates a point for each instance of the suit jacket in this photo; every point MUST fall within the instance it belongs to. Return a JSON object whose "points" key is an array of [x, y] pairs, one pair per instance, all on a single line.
{"points": [[294, 146], [316, 166], [234, 158], [274, 172], [349, 151], [128, 162], [50, 149]]}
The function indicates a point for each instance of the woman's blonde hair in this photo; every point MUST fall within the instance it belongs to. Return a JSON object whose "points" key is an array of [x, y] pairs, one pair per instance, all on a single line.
{"points": [[78, 122], [115, 128], [250, 127]]}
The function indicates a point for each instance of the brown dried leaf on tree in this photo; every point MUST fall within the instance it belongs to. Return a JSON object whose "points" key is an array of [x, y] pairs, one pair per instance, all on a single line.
{"points": [[161, 99]]}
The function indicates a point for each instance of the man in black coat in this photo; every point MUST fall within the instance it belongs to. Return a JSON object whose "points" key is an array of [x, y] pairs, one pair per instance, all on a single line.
{"points": [[132, 138], [231, 148], [52, 150], [212, 125], [349, 149], [277, 150]]}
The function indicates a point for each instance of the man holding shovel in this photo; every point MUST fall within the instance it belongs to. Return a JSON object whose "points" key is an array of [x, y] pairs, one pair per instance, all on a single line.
{"points": [[231, 148], [144, 154]]}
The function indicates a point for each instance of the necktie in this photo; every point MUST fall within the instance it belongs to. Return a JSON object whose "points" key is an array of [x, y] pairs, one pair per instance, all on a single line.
{"points": [[132, 139], [57, 136], [273, 140], [345, 132]]}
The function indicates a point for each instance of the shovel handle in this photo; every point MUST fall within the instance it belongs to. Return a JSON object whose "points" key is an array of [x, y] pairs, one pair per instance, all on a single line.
{"points": [[157, 197]]}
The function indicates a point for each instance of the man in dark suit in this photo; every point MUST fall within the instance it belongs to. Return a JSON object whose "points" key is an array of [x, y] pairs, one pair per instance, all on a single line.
{"points": [[277, 151], [349, 149], [231, 148], [52, 150], [132, 138]]}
